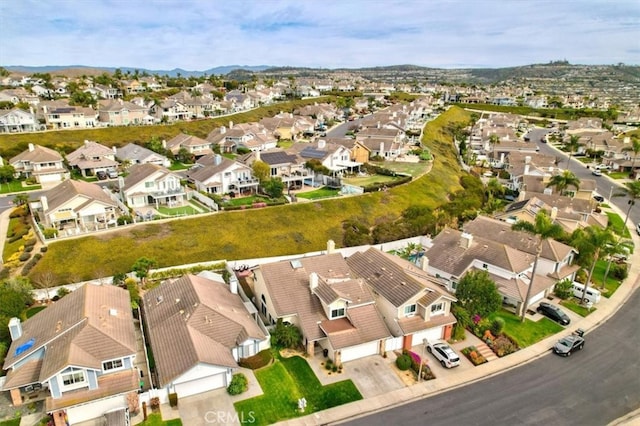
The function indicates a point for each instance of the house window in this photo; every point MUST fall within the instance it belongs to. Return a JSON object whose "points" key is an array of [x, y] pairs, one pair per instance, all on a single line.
{"points": [[337, 313], [75, 377], [149, 184], [112, 365], [437, 308], [410, 310]]}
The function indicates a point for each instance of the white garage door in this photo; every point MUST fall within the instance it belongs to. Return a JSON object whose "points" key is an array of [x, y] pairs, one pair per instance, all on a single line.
{"points": [[360, 351], [431, 334], [201, 385], [536, 297], [49, 178], [96, 409]]}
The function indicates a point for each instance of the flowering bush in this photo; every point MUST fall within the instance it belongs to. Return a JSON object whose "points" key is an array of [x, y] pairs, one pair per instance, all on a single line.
{"points": [[473, 355]]}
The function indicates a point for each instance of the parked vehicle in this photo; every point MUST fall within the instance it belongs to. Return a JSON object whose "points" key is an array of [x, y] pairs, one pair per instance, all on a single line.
{"points": [[102, 175], [442, 352], [567, 345], [598, 198], [553, 312], [112, 174], [596, 172], [593, 295]]}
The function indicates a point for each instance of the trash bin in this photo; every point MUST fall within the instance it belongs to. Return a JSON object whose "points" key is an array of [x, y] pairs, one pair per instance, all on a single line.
{"points": [[325, 352]]}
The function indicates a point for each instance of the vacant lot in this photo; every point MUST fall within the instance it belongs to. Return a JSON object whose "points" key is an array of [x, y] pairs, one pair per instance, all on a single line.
{"points": [[273, 231]]}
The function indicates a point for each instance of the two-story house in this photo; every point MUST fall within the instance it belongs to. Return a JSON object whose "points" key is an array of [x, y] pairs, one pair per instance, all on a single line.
{"points": [[132, 154], [193, 144], [334, 311], [77, 354], [198, 329], [16, 121], [288, 167], [42, 163], [336, 158], [116, 112], [413, 306], [152, 185], [75, 204], [70, 117], [92, 157], [215, 174]]}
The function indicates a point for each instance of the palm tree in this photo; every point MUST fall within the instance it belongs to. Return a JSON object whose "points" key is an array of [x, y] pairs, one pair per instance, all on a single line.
{"points": [[573, 145], [632, 191], [619, 247], [592, 242], [494, 139], [635, 147], [545, 229], [564, 180]]}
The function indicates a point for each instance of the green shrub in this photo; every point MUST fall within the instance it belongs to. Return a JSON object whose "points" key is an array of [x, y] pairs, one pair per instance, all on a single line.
{"points": [[503, 345], [497, 325], [619, 271], [563, 289], [328, 365], [403, 362], [24, 256], [173, 399], [44, 249], [28, 249], [238, 385], [31, 242], [123, 220], [50, 233]]}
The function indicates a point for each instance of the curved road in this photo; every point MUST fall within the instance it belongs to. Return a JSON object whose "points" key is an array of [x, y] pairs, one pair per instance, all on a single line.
{"points": [[594, 386]]}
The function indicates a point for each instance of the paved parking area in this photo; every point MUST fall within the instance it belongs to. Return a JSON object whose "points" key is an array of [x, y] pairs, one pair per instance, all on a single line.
{"points": [[373, 375]]}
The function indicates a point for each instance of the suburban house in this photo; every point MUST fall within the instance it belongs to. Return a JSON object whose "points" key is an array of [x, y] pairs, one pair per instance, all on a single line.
{"points": [[413, 305], [193, 144], [42, 163], [198, 329], [75, 204], [152, 185], [215, 174], [335, 157], [170, 110], [92, 157], [334, 311], [16, 121], [136, 154], [288, 167], [70, 117], [116, 112], [78, 355], [251, 136], [503, 253]]}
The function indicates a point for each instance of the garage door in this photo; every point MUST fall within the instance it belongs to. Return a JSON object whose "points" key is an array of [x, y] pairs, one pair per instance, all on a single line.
{"points": [[95, 409], [360, 351], [536, 297], [431, 334], [203, 384]]}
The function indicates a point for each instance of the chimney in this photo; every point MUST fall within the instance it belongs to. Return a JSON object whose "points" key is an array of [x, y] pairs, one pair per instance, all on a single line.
{"points": [[44, 203], [115, 150], [15, 328], [378, 126], [231, 124], [164, 143], [31, 147], [86, 142], [322, 143], [465, 240], [223, 130], [233, 284], [424, 263], [526, 169], [258, 156], [554, 213], [527, 159], [313, 281], [521, 196], [217, 159], [331, 246], [381, 149]]}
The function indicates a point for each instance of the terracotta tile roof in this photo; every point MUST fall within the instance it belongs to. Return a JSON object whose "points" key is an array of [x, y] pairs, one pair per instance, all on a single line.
{"points": [[27, 374], [195, 320], [356, 292], [362, 325], [92, 324], [416, 323], [108, 385], [40, 154], [140, 172]]}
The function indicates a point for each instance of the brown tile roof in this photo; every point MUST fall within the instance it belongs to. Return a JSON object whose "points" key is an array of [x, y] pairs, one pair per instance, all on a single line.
{"points": [[108, 385], [287, 283], [139, 172], [40, 154], [385, 276], [416, 323], [356, 292], [70, 189], [447, 254], [86, 327], [364, 324], [195, 320], [27, 374]]}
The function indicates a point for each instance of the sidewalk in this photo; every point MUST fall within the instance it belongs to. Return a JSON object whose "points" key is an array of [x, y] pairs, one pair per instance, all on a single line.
{"points": [[605, 309]]}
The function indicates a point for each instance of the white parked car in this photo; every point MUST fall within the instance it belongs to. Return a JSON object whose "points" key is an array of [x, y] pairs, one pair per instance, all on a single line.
{"points": [[442, 352]]}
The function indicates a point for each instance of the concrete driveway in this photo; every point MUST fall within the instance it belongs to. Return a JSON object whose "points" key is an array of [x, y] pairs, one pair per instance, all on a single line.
{"points": [[373, 375]]}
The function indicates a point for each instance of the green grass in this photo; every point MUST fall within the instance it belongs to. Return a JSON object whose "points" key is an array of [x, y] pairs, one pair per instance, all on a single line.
{"points": [[285, 143], [618, 175], [12, 422], [413, 169], [611, 285], [33, 310], [175, 166], [575, 306], [323, 192], [16, 186], [243, 201], [155, 419], [286, 381], [283, 230], [174, 211], [370, 180], [15, 225], [528, 332], [617, 224]]}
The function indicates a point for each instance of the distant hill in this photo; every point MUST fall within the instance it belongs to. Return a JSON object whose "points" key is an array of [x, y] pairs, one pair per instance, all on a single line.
{"points": [[82, 69]]}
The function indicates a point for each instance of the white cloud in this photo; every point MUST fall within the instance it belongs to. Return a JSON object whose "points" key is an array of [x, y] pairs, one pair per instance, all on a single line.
{"points": [[198, 35]]}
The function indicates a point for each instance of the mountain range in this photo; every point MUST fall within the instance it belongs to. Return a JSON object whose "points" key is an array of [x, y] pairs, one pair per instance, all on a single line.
{"points": [[222, 70]]}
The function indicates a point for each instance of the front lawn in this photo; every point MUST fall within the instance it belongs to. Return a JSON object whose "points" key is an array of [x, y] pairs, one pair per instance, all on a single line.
{"points": [[370, 180], [155, 419], [618, 175], [598, 273], [528, 332], [413, 169], [286, 381], [575, 306], [16, 186], [617, 224], [177, 211]]}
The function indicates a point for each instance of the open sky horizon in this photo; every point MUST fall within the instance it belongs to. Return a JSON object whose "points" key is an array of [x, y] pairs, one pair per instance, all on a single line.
{"points": [[199, 35]]}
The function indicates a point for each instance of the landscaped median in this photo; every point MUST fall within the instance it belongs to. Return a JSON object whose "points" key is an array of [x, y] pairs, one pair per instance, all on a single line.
{"points": [[285, 382]]}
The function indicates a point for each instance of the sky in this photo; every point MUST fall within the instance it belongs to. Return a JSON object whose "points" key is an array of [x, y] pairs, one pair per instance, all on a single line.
{"points": [[196, 35]]}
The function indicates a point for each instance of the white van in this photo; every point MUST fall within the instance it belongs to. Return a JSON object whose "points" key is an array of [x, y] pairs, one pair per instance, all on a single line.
{"points": [[593, 295]]}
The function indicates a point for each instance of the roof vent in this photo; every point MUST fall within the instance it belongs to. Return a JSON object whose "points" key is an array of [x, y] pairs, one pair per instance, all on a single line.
{"points": [[113, 312], [177, 301], [159, 300]]}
